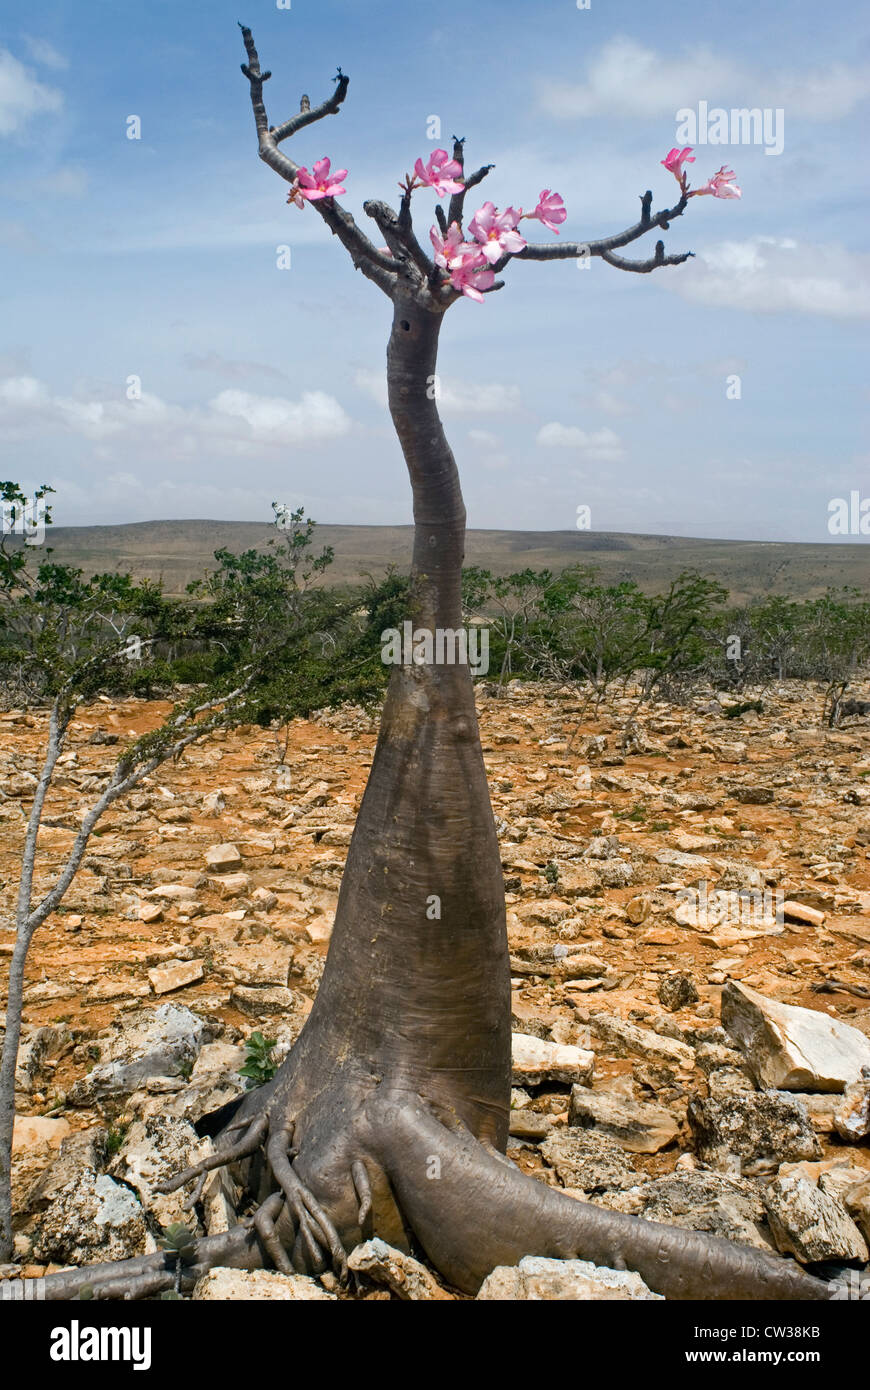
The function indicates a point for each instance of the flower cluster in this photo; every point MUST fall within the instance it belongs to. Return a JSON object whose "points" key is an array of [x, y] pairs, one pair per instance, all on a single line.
{"points": [[721, 185], [493, 234]]}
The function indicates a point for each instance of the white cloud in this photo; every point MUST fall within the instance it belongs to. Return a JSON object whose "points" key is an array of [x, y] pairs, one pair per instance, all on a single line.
{"points": [[233, 422], [274, 419], [485, 438], [778, 275], [454, 397], [41, 51], [627, 79], [22, 390], [598, 446], [21, 96]]}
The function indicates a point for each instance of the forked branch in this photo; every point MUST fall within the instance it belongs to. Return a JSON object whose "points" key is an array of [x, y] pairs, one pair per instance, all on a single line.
{"points": [[574, 250], [376, 266]]}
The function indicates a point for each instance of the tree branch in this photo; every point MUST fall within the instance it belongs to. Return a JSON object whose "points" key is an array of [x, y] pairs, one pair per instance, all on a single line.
{"points": [[399, 236], [457, 202], [573, 250], [652, 263], [373, 263]]}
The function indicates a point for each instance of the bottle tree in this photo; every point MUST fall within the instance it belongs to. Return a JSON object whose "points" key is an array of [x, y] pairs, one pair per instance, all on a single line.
{"points": [[390, 1115]]}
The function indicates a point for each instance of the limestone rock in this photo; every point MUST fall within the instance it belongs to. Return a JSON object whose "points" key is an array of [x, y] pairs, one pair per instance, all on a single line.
{"points": [[91, 1219], [639, 1127], [175, 974], [263, 1285], [676, 991], [529, 1124], [407, 1278], [791, 1048], [765, 1128], [589, 1162], [259, 1003], [627, 1039], [81, 1153], [222, 857], [38, 1133], [858, 1206], [811, 1224], [254, 965], [154, 1150], [232, 885], [149, 1043], [536, 1278], [534, 1060], [852, 1118], [708, 1201]]}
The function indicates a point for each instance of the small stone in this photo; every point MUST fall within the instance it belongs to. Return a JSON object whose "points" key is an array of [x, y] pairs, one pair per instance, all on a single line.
{"points": [[174, 892], [264, 899], [627, 1039], [407, 1278], [765, 1128], [36, 1133], [852, 1118], [529, 1124], [233, 885], [258, 1003], [221, 857], [539, 1279], [801, 912], [677, 991], [261, 1285], [534, 1060], [149, 912], [589, 1161], [176, 974], [639, 1127], [637, 909], [811, 1224]]}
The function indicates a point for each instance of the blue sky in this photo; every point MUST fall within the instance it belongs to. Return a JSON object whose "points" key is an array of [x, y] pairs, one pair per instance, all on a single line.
{"points": [[156, 259]]}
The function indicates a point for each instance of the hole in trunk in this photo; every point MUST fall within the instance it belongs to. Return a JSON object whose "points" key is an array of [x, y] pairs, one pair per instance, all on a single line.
{"points": [[406, 325]]}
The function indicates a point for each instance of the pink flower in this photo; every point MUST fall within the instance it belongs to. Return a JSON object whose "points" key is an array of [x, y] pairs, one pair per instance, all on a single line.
{"points": [[496, 231], [550, 210], [439, 173], [319, 184], [451, 250], [471, 279], [721, 185], [465, 262], [675, 159]]}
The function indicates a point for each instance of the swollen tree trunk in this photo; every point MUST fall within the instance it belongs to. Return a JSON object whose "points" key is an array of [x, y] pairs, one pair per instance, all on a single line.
{"points": [[416, 985]]}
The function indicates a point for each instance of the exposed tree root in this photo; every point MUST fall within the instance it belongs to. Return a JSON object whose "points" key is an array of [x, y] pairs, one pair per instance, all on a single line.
{"points": [[468, 1207]]}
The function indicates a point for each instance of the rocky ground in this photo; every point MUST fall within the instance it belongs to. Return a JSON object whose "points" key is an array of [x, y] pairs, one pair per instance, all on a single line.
{"points": [[655, 1068]]}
